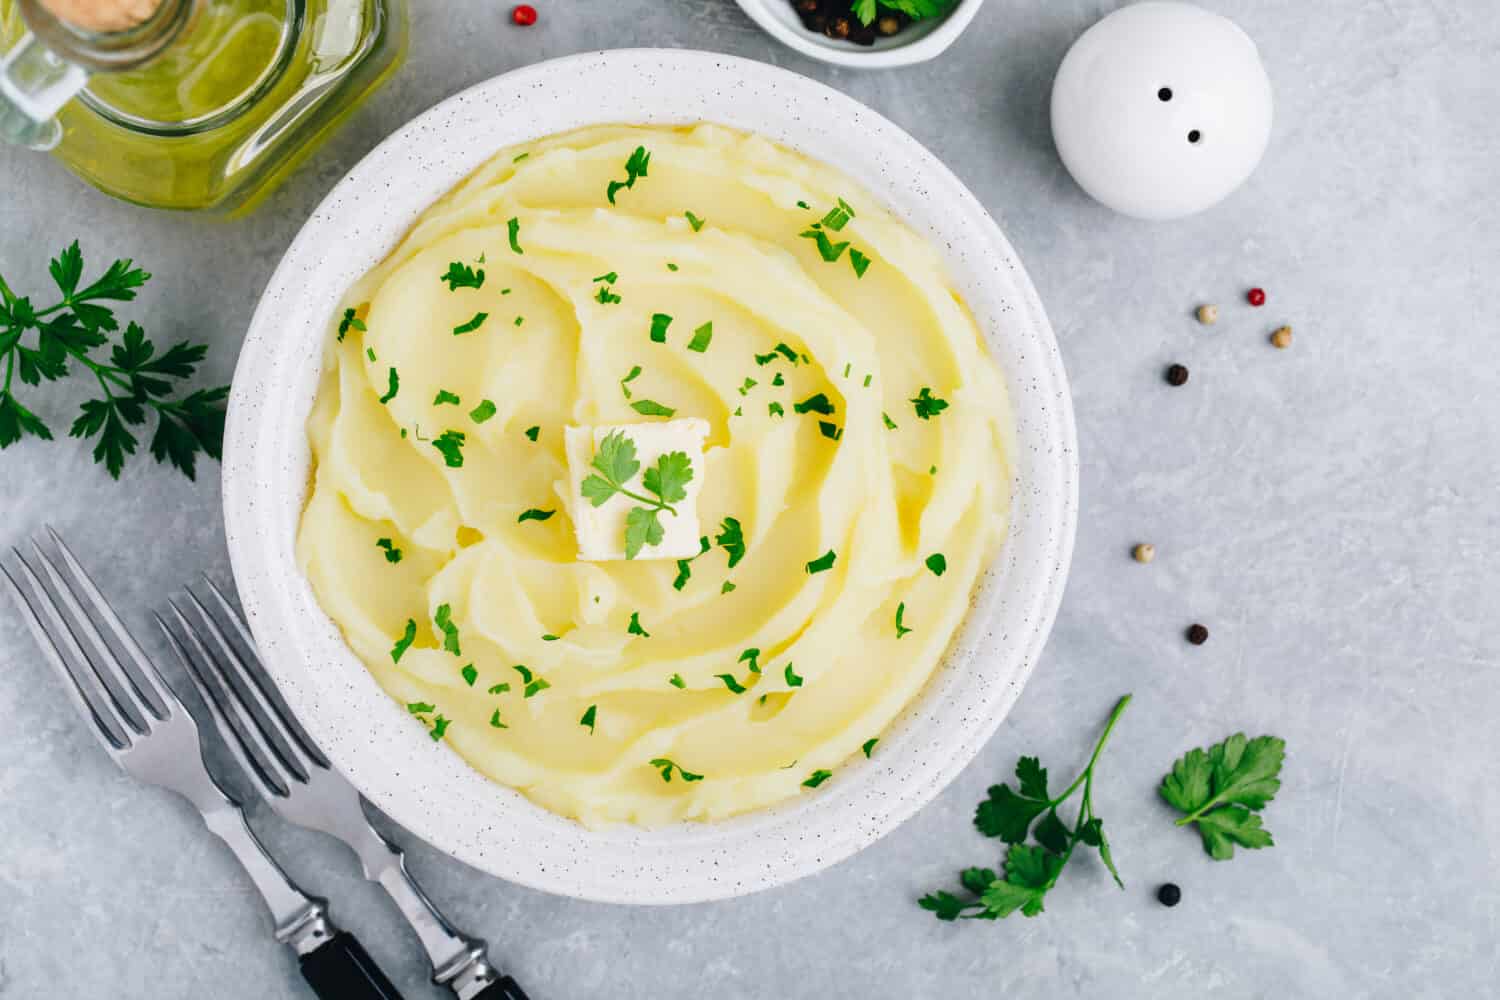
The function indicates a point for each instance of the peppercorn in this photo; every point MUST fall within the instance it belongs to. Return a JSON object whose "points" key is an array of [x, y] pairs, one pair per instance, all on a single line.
{"points": [[1208, 315], [862, 34], [1177, 375], [888, 25], [1169, 894], [1256, 297], [1197, 634], [524, 15], [837, 28], [1282, 338], [1144, 552]]}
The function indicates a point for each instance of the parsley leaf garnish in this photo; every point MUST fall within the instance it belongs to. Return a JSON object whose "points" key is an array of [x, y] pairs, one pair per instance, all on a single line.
{"points": [[823, 562], [444, 396], [927, 405], [694, 221], [775, 409], [392, 554], [469, 674], [535, 514], [636, 166], [859, 262], [532, 432], [351, 321], [395, 386], [533, 684], [677, 682], [404, 643], [731, 538], [793, 679], [482, 412], [513, 231], [869, 746], [605, 296], [133, 380], [747, 385], [901, 629], [499, 688], [495, 721], [588, 718], [752, 655], [635, 373], [651, 408], [732, 684], [685, 566], [817, 778], [937, 563], [609, 278], [460, 275], [667, 767], [443, 618], [471, 325], [635, 628], [1223, 789], [1031, 870], [829, 430], [827, 249], [450, 444], [615, 464], [814, 404], [701, 338], [659, 324], [890, 424]]}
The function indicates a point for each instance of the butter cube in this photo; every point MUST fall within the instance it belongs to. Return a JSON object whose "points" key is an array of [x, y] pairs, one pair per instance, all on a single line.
{"points": [[601, 530]]}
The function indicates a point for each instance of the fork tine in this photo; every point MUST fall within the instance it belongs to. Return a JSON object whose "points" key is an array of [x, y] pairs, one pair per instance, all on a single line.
{"points": [[155, 690], [122, 687], [214, 699], [252, 701], [82, 690], [257, 672]]}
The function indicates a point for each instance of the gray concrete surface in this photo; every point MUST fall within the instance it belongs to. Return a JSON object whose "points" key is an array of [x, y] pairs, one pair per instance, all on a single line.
{"points": [[1330, 512]]}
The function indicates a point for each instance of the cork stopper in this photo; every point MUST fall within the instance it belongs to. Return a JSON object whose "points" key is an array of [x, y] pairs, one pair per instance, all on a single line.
{"points": [[103, 16]]}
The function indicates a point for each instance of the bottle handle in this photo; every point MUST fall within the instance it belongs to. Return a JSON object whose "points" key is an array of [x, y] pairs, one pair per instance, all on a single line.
{"points": [[35, 83]]}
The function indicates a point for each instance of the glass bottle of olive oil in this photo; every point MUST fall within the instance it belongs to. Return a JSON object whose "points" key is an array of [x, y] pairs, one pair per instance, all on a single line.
{"points": [[205, 105]]}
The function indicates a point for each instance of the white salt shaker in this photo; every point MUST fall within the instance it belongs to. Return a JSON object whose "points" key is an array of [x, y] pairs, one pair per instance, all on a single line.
{"points": [[1162, 109]]}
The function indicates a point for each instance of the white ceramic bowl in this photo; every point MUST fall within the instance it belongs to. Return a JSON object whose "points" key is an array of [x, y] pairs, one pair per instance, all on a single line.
{"points": [[919, 42], [426, 787]]}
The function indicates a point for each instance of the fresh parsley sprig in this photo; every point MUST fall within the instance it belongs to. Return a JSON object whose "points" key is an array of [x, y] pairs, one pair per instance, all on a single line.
{"points": [[133, 381], [917, 10], [1031, 870], [615, 464], [1223, 789]]}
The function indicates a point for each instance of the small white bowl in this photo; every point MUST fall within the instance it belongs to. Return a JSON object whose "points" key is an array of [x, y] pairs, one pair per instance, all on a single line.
{"points": [[425, 786], [917, 43]]}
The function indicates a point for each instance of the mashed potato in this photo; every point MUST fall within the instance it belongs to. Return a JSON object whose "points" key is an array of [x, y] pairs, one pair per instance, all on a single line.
{"points": [[855, 481]]}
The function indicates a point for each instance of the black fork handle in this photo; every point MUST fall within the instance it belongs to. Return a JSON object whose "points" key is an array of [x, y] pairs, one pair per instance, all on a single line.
{"points": [[341, 969]]}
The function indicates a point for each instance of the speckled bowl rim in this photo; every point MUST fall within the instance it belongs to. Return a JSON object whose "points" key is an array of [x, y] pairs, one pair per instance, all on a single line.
{"points": [[426, 787]]}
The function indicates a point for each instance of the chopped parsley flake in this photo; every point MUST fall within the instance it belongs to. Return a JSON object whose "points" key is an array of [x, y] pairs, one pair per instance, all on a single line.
{"points": [[635, 373], [890, 424], [608, 279], [532, 432], [651, 408], [685, 566], [666, 767], [831, 431], [659, 324], [549, 637], [535, 514], [927, 405], [520, 157], [471, 325], [439, 727], [868, 379], [404, 643], [827, 249], [676, 681], [726, 588], [731, 538], [392, 554], [671, 266], [823, 562], [635, 627], [420, 708], [859, 261], [747, 385], [395, 386], [775, 410], [605, 297], [765, 359], [869, 746], [513, 231], [814, 404], [470, 675], [779, 380], [739, 411], [636, 166], [351, 321], [499, 688], [803, 204], [482, 412], [786, 352], [847, 366], [534, 687], [460, 275], [731, 683], [370, 353], [752, 655], [524, 671], [450, 444], [838, 217], [817, 778], [701, 338], [901, 629], [588, 718], [444, 396], [495, 721], [443, 618], [793, 679], [694, 221], [520, 320], [938, 563]]}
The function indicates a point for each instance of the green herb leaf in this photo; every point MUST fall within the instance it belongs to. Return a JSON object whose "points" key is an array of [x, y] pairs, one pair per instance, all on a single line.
{"points": [[635, 373], [869, 748], [726, 587], [495, 721], [532, 432], [483, 412], [676, 681], [938, 563], [701, 338], [588, 718], [513, 231], [444, 396], [642, 527], [927, 405], [746, 386], [606, 297], [404, 643], [535, 514], [615, 458], [890, 424], [460, 275], [731, 538], [439, 727], [859, 262], [392, 554], [793, 679], [814, 404], [659, 324], [829, 430], [732, 684], [471, 325], [443, 618], [775, 410], [450, 445], [470, 675], [635, 167], [499, 688], [651, 408], [827, 249], [609, 278], [752, 656], [667, 766], [823, 562], [668, 479], [635, 627], [1223, 787], [350, 321], [524, 671], [395, 386], [817, 778], [901, 629], [694, 221], [420, 708]]}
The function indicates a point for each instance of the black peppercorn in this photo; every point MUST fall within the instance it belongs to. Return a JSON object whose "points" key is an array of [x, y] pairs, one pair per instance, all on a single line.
{"points": [[888, 25], [1197, 635], [1169, 894], [837, 28], [1177, 375]]}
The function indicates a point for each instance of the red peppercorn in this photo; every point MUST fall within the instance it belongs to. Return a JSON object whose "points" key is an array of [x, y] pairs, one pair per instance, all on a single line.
{"points": [[1256, 297], [524, 15]]}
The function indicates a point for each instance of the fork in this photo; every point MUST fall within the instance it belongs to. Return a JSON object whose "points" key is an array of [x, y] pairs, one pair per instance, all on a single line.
{"points": [[142, 725], [297, 781]]}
